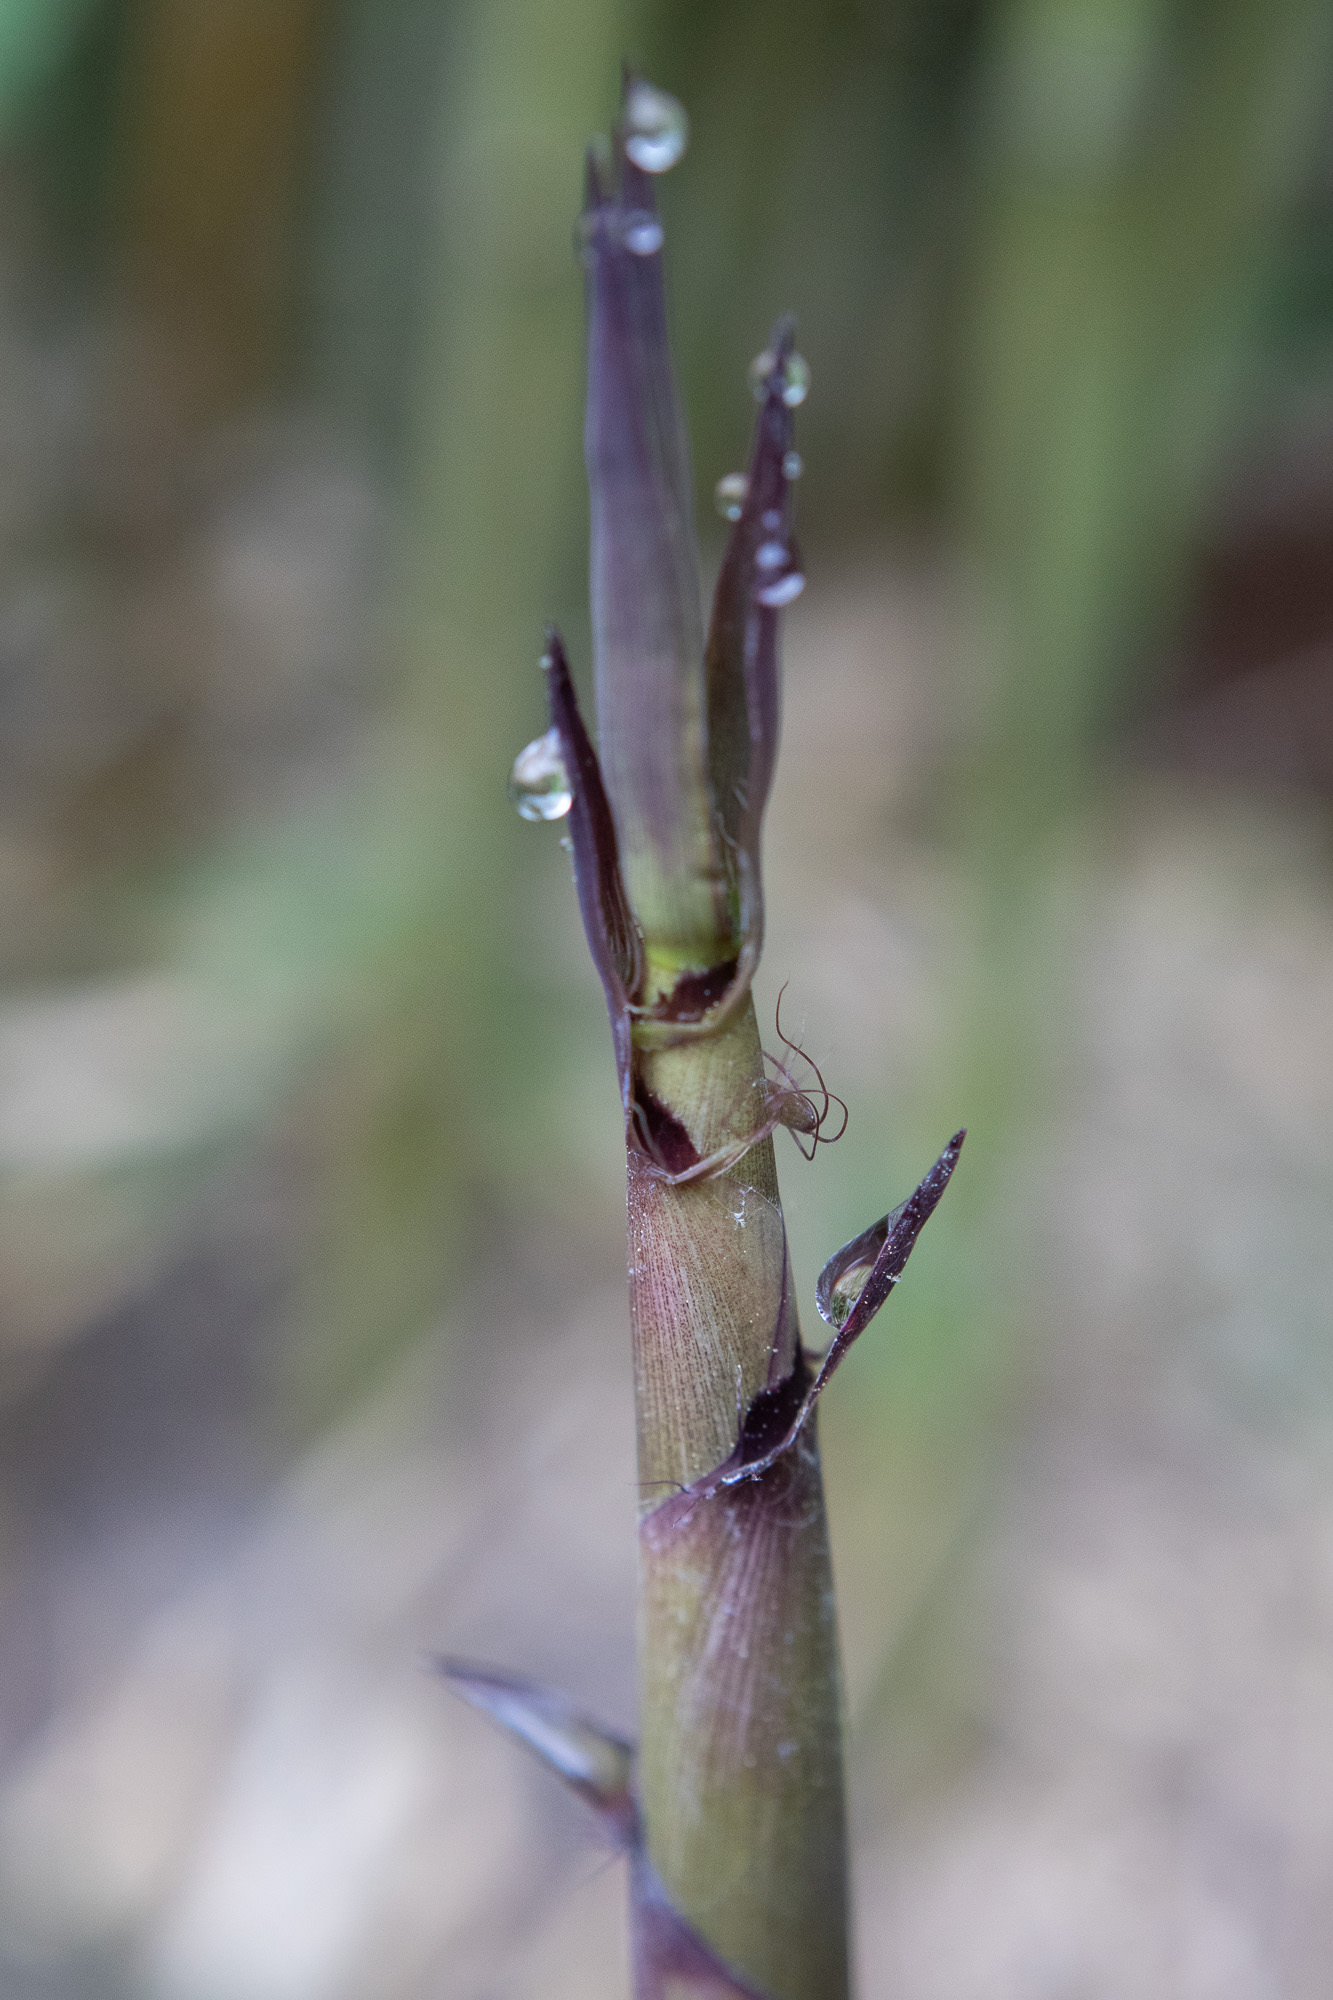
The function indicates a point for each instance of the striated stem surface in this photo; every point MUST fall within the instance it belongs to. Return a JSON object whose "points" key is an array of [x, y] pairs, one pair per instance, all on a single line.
{"points": [[740, 1762]]}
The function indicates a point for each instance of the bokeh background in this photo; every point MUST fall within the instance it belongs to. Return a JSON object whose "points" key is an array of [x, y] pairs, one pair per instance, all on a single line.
{"points": [[313, 1352]]}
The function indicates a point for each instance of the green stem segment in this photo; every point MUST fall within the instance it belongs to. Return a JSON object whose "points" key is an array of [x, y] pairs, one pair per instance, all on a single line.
{"points": [[740, 1763]]}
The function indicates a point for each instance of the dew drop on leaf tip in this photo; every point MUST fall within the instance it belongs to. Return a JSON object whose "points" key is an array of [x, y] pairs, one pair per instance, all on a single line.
{"points": [[783, 590], [729, 495], [539, 785], [795, 381], [641, 233], [656, 127]]}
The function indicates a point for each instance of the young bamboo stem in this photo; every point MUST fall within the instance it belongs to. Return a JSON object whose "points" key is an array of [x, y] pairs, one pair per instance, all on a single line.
{"points": [[737, 1831]]}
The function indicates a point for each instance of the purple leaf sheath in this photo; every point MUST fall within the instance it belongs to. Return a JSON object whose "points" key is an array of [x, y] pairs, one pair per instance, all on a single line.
{"points": [[647, 614], [608, 921], [760, 573]]}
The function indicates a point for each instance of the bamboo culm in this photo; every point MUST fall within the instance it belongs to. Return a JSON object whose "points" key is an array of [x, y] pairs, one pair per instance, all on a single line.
{"points": [[731, 1807]]}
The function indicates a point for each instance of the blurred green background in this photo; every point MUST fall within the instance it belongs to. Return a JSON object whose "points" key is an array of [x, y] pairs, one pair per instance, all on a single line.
{"points": [[312, 1319]]}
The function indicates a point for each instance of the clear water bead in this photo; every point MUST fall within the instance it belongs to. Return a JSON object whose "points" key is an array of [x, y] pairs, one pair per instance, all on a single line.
{"points": [[795, 377], [729, 495], [846, 1292], [782, 590], [793, 465], [641, 233], [657, 130], [539, 783]]}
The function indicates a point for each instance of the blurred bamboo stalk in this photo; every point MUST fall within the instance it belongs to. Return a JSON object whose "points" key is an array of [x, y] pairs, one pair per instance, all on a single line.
{"points": [[435, 1128], [222, 108], [36, 37], [1136, 164], [192, 124], [215, 122], [1137, 168]]}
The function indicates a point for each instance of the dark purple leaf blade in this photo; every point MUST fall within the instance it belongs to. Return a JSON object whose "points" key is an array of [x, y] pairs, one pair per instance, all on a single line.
{"points": [[901, 1229], [744, 709], [646, 599], [742, 651], [776, 1417], [608, 921]]}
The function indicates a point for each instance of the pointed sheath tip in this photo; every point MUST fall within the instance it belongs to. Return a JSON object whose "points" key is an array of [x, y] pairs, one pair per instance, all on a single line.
{"points": [[618, 160], [776, 1417], [594, 1762], [637, 189], [560, 698], [742, 650], [595, 193], [942, 1171], [781, 343], [881, 1252], [900, 1228], [783, 337]]}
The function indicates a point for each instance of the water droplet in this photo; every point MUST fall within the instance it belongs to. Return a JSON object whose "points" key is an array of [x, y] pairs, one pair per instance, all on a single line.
{"points": [[729, 495], [782, 590], [795, 377], [641, 232], [760, 370], [539, 783], [566, 843], [846, 1292], [793, 465], [772, 519], [656, 127], [796, 382], [770, 555]]}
